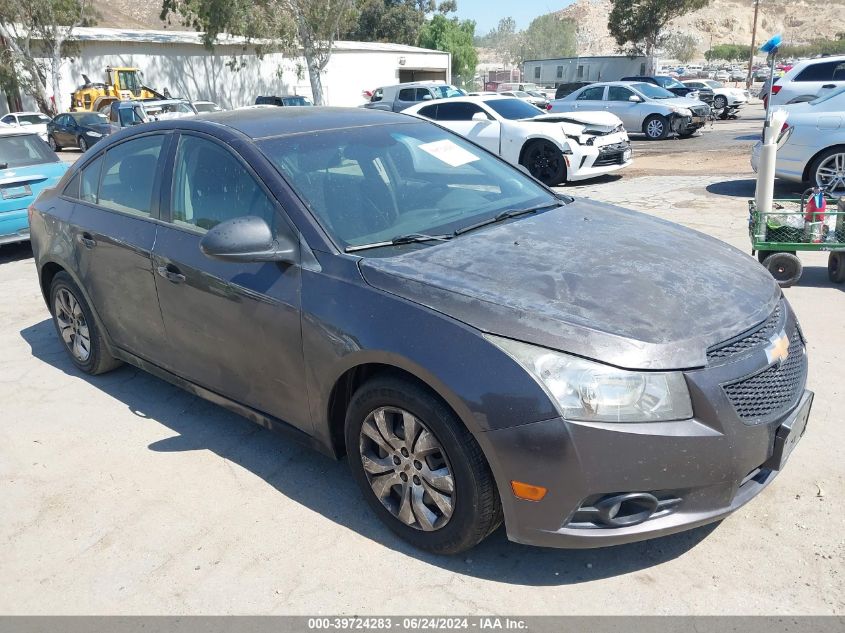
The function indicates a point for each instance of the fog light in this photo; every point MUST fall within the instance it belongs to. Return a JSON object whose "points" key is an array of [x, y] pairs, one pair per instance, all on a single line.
{"points": [[527, 491]]}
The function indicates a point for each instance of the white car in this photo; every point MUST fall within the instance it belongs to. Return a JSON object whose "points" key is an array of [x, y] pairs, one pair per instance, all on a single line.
{"points": [[538, 101], [206, 106], [722, 75], [723, 96], [555, 148], [32, 121], [812, 144], [808, 79]]}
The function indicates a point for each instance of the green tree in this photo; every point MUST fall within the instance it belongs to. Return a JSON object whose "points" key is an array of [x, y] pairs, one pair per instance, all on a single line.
{"points": [[455, 36], [312, 25], [681, 46], [728, 52], [638, 26], [502, 39], [37, 36], [546, 37], [397, 21]]}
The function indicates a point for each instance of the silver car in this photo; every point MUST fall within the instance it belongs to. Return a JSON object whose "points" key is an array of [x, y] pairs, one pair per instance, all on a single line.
{"points": [[643, 107]]}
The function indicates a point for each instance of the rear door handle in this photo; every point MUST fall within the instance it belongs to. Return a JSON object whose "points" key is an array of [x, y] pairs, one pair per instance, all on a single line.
{"points": [[171, 273], [829, 86], [86, 240]]}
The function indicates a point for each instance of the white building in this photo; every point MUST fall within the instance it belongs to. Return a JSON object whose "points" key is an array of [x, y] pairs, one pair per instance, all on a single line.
{"points": [[232, 75], [553, 72]]}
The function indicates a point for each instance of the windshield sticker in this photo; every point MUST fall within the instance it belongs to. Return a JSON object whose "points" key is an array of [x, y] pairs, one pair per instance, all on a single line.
{"points": [[448, 152]]}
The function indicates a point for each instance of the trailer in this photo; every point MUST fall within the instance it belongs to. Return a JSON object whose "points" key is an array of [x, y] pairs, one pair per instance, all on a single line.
{"points": [[554, 72]]}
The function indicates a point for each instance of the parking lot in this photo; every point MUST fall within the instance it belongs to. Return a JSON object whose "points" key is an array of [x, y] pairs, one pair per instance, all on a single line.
{"points": [[123, 494]]}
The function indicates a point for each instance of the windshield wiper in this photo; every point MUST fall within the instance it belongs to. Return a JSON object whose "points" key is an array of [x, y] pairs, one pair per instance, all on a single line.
{"points": [[506, 215], [410, 238]]}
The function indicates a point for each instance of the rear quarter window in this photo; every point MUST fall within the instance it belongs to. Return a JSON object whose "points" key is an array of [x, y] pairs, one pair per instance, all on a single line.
{"points": [[823, 71]]}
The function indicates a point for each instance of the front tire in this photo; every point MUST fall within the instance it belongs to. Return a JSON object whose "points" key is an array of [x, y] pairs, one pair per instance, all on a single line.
{"points": [[656, 127], [544, 161], [77, 328], [83, 144], [419, 469], [786, 268]]}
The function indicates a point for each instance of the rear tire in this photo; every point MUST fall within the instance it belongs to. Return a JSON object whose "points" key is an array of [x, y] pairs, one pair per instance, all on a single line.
{"points": [[656, 127], [786, 268], [387, 406], [77, 328], [544, 161], [836, 266]]}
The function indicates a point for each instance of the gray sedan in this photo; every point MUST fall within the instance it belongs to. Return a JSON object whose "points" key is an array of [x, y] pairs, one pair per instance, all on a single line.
{"points": [[480, 348], [643, 107]]}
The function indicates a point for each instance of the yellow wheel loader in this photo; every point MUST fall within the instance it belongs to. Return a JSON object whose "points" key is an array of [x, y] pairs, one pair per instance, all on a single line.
{"points": [[122, 83]]}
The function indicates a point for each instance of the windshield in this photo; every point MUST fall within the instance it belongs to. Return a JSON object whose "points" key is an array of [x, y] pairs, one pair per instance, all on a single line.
{"points": [[828, 96], [296, 101], [22, 150], [33, 119], [520, 94], [513, 109], [715, 84], [444, 92], [534, 93], [372, 184], [668, 82], [130, 116], [90, 118], [205, 107], [653, 92]]}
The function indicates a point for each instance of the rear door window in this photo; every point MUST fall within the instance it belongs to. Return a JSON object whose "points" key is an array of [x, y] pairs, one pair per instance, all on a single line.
{"points": [[592, 94], [129, 175], [823, 71], [406, 94]]}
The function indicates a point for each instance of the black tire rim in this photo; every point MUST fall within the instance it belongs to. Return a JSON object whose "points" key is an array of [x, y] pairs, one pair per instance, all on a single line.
{"points": [[544, 162], [783, 270]]}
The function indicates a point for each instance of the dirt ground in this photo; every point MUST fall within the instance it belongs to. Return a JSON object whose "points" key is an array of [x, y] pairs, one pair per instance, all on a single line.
{"points": [[121, 494]]}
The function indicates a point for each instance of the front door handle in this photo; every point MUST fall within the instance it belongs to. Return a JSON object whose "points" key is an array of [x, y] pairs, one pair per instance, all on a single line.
{"points": [[829, 86], [171, 273], [86, 240]]}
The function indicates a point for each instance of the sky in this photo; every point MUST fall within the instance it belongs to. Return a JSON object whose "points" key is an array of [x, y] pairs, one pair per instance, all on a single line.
{"points": [[487, 13]]}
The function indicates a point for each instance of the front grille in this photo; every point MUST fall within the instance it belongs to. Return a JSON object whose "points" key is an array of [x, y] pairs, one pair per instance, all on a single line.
{"points": [[772, 391], [611, 155], [700, 110], [755, 337]]}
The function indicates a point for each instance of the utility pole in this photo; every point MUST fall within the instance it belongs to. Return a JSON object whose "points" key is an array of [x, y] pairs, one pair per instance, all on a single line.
{"points": [[753, 44]]}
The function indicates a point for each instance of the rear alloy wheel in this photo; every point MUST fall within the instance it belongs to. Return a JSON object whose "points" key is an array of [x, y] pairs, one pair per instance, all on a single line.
{"points": [[83, 144], [544, 160], [828, 171], [419, 468], [656, 127], [77, 329], [836, 267], [786, 268], [53, 145]]}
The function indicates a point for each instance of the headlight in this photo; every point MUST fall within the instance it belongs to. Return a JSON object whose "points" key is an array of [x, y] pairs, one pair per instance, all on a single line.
{"points": [[589, 391], [681, 111], [94, 134]]}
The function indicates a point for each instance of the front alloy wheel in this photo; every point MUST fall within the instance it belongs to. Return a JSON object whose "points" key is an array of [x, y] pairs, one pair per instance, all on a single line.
{"points": [[83, 144], [545, 162], [407, 468]]}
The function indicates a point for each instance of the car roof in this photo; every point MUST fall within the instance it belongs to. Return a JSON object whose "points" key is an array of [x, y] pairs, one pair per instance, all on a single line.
{"points": [[269, 122], [28, 112]]}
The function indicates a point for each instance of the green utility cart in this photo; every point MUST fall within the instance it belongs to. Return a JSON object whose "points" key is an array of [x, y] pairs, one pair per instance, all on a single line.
{"points": [[777, 235]]}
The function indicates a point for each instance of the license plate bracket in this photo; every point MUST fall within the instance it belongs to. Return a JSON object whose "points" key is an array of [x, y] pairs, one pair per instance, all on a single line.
{"points": [[788, 433], [20, 191]]}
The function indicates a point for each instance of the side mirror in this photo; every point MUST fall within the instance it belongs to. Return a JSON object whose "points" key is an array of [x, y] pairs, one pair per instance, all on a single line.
{"points": [[427, 97], [480, 117], [634, 99], [248, 239]]}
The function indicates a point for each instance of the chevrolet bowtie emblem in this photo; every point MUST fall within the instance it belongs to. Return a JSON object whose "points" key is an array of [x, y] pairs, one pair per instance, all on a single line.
{"points": [[778, 349]]}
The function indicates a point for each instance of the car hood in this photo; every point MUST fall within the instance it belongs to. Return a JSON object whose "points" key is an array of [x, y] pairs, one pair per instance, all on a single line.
{"points": [[586, 122], [590, 279], [678, 102]]}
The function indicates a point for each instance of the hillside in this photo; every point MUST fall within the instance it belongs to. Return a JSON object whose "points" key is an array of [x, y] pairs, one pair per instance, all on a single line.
{"points": [[726, 21]]}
